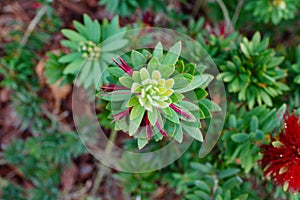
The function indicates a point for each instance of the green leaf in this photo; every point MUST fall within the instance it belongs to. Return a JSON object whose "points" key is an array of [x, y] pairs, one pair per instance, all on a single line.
{"points": [[166, 70], [115, 71], [133, 101], [69, 57], [297, 79], [172, 55], [196, 95], [81, 29], [205, 110], [142, 143], [136, 77], [179, 134], [182, 80], [70, 44], [136, 110], [232, 121], [107, 46], [227, 173], [72, 35], [171, 128], [153, 116], [189, 106], [73, 67], [202, 185], [296, 67], [176, 97], [85, 72], [240, 137], [138, 59], [119, 95], [153, 64], [254, 124], [199, 81], [193, 131], [212, 106], [266, 98], [135, 123], [260, 135], [275, 62], [158, 51], [126, 81], [93, 29], [245, 50]]}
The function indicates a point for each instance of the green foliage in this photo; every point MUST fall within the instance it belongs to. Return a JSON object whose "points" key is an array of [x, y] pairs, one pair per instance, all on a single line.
{"points": [[93, 45], [296, 66], [214, 40], [253, 73], [12, 191], [54, 70], [203, 181], [41, 159], [273, 10], [16, 72], [141, 185], [218, 46], [245, 131], [194, 27], [128, 7], [30, 114]]}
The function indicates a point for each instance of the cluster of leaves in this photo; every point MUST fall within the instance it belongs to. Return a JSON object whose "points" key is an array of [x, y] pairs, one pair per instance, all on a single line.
{"points": [[273, 10], [93, 45], [190, 179], [19, 74], [142, 186], [214, 40], [41, 160], [292, 63], [184, 89], [245, 131], [253, 72], [127, 7]]}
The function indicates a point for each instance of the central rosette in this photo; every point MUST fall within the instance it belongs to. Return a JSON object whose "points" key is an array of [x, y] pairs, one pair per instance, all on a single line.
{"points": [[152, 90]]}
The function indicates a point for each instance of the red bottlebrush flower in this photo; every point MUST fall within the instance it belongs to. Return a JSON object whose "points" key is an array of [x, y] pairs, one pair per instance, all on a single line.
{"points": [[281, 158]]}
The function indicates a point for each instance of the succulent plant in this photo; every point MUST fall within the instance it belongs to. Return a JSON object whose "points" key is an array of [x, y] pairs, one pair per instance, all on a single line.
{"points": [[157, 95], [253, 72], [273, 10], [93, 45]]}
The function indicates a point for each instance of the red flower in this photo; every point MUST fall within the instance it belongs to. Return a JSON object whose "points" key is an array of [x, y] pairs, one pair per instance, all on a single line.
{"points": [[36, 5], [281, 158]]}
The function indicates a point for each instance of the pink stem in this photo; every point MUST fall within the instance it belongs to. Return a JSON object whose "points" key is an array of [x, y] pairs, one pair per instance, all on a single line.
{"points": [[187, 116], [126, 68], [161, 130], [113, 87], [121, 115]]}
